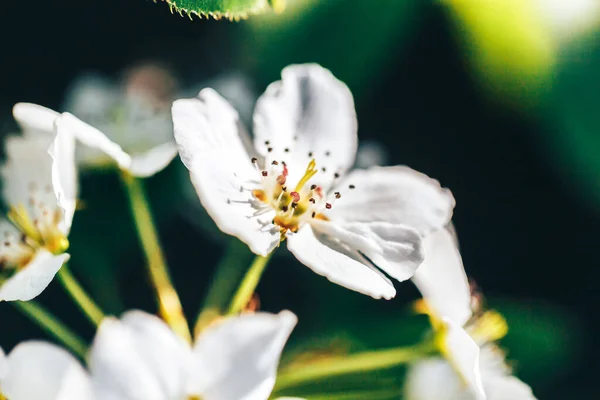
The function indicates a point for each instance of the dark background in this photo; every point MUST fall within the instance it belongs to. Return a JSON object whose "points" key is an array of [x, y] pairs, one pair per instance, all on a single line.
{"points": [[527, 225]]}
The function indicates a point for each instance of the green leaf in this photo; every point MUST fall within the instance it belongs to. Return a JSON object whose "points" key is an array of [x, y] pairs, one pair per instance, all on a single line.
{"points": [[230, 9], [355, 39]]}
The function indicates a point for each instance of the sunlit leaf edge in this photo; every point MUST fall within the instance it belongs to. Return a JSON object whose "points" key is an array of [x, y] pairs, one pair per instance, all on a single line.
{"points": [[233, 10]]}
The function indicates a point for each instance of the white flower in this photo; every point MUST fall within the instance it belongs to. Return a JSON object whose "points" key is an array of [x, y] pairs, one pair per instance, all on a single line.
{"points": [[139, 358], [125, 124], [39, 190], [292, 184], [42, 371], [473, 367]]}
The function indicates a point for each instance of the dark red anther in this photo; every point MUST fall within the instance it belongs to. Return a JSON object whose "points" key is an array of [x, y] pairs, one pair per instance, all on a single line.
{"points": [[264, 173], [328, 206], [295, 196], [274, 163], [294, 205], [254, 160], [313, 187], [338, 195], [312, 200]]}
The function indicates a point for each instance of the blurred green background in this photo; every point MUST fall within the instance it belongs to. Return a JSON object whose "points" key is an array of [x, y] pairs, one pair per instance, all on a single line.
{"points": [[498, 100]]}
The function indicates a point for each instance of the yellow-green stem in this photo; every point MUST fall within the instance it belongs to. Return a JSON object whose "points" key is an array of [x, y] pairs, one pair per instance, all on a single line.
{"points": [[77, 293], [52, 325], [295, 375], [248, 285], [228, 275], [168, 299], [382, 394]]}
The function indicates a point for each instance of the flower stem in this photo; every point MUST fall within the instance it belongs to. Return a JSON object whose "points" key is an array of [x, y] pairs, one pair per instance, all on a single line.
{"points": [[248, 285], [77, 293], [168, 300], [52, 325], [295, 375], [227, 276]]}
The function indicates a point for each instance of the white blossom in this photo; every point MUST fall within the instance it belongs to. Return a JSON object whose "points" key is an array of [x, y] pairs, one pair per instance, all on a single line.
{"points": [[293, 183], [473, 367], [42, 371], [138, 357], [128, 124], [39, 190]]}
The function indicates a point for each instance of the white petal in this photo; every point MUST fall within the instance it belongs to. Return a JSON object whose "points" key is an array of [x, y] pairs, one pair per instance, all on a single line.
{"points": [[434, 379], [154, 160], [43, 371], [338, 263], [442, 280], [211, 145], [27, 171], [396, 249], [507, 388], [398, 195], [94, 138], [237, 358], [308, 111], [64, 173], [32, 279], [463, 354], [3, 366], [34, 118], [138, 358], [92, 98]]}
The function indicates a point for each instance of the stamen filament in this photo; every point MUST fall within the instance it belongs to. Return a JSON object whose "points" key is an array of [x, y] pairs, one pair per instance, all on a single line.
{"points": [[310, 172]]}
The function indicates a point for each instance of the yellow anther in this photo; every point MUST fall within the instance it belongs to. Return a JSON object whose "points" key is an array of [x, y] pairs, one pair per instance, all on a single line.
{"points": [[58, 245], [489, 327], [310, 172]]}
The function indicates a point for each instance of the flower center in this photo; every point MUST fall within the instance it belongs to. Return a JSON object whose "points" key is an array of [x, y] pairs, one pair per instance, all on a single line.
{"points": [[293, 207], [38, 226]]}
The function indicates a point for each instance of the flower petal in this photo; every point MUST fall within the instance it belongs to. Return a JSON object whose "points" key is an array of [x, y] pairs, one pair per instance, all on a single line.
{"points": [[152, 161], [211, 145], [337, 262], [138, 358], [442, 280], [32, 279], [311, 114], [463, 354], [3, 366], [43, 371], [92, 98], [434, 379], [94, 138], [507, 388], [27, 171], [237, 358], [64, 173], [34, 119], [398, 195], [396, 249]]}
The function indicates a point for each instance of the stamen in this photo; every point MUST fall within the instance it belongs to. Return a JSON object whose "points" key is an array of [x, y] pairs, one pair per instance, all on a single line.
{"points": [[328, 206], [338, 195], [310, 172], [351, 187], [274, 163], [264, 173]]}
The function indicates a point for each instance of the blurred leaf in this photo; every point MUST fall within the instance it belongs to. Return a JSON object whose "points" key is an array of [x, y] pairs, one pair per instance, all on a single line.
{"points": [[230, 9], [543, 341], [573, 121], [508, 45], [353, 38]]}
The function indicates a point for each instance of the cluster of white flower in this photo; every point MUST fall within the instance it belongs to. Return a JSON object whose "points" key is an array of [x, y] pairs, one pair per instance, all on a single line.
{"points": [[291, 183]]}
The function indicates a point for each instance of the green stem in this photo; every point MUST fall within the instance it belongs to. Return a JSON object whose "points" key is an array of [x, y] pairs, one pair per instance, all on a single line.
{"points": [[83, 300], [383, 394], [52, 325], [249, 283], [227, 276], [295, 375], [168, 299]]}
